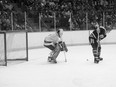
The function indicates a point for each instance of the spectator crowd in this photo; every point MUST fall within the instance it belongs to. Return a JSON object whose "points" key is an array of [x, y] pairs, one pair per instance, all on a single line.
{"points": [[74, 9]]}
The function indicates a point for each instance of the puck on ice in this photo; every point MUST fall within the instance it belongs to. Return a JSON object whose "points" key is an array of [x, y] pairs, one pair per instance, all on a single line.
{"points": [[87, 59]]}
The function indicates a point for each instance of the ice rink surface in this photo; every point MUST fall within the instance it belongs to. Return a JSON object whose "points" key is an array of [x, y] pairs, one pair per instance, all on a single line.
{"points": [[78, 71]]}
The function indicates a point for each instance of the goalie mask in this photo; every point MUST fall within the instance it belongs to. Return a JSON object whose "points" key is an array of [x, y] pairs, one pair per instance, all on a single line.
{"points": [[60, 32]]}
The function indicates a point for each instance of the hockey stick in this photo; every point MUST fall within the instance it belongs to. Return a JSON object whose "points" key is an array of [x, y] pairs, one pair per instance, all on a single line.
{"points": [[65, 56], [98, 41]]}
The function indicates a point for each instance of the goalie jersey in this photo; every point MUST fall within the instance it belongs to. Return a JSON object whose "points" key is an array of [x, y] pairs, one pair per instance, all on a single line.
{"points": [[102, 33], [52, 39]]}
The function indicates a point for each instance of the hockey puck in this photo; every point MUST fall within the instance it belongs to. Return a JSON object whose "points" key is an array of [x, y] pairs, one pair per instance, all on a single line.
{"points": [[87, 60]]}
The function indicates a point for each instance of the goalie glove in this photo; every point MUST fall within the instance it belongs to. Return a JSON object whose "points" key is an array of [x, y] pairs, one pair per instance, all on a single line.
{"points": [[102, 37]]}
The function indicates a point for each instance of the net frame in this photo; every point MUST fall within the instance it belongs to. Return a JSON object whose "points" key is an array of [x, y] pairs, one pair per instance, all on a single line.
{"points": [[5, 47]]}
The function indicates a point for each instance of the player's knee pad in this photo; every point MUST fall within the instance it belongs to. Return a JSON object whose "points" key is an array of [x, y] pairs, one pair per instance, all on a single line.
{"points": [[99, 51]]}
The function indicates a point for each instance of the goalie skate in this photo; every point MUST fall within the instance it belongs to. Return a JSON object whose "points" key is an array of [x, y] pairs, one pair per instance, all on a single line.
{"points": [[54, 61], [49, 59]]}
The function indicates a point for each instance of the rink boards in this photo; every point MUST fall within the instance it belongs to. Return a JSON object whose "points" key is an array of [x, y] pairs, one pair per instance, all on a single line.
{"points": [[35, 39]]}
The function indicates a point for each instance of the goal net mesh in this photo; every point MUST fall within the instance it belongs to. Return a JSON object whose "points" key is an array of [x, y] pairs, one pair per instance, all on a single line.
{"points": [[13, 46]]}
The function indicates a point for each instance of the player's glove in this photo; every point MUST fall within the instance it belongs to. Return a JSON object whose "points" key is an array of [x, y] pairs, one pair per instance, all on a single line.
{"points": [[62, 46], [101, 36]]}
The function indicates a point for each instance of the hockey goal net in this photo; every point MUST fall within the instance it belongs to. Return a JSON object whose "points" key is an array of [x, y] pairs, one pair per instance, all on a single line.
{"points": [[13, 46]]}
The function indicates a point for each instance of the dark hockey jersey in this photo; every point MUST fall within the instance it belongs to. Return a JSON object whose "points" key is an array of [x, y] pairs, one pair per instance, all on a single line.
{"points": [[101, 34]]}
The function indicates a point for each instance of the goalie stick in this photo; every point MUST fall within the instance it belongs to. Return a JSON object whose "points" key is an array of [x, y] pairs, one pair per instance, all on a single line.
{"points": [[65, 55], [98, 40]]}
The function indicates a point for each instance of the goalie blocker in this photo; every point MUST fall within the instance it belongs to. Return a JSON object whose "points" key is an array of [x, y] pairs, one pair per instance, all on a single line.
{"points": [[63, 46]]}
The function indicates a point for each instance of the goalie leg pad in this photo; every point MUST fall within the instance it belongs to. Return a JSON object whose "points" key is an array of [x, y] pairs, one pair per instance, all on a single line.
{"points": [[56, 52]]}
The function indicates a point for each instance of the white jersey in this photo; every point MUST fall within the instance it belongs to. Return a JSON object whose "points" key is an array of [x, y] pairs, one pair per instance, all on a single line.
{"points": [[51, 39]]}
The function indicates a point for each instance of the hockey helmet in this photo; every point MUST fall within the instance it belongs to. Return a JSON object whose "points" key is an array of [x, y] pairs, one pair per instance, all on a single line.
{"points": [[96, 25]]}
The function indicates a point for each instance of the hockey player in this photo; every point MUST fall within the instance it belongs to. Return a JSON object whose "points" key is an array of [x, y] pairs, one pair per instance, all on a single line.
{"points": [[95, 37], [55, 44]]}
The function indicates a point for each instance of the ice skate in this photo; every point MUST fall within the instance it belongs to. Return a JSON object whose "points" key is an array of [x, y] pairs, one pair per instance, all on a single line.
{"points": [[100, 58], [96, 60], [54, 61], [49, 59]]}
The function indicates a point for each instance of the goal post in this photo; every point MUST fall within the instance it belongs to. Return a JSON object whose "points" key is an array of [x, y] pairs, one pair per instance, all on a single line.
{"points": [[3, 55], [13, 46]]}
